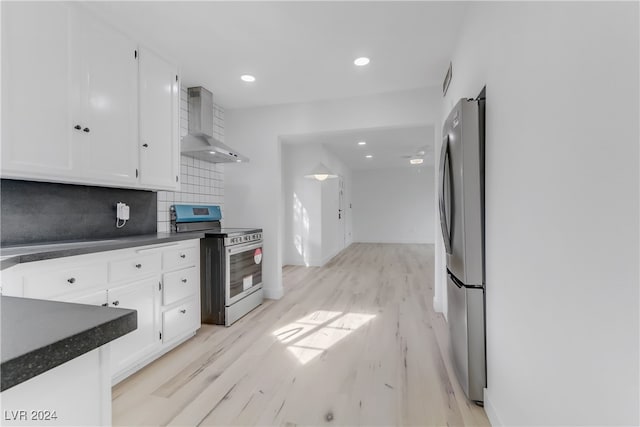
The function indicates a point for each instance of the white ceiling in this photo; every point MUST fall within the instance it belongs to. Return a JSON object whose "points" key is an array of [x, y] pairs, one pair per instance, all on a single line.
{"points": [[298, 51], [389, 147]]}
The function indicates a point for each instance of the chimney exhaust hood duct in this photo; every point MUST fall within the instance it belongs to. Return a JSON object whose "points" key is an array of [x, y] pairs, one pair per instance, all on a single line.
{"points": [[199, 143]]}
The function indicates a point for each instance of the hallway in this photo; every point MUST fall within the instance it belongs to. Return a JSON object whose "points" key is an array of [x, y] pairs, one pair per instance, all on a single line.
{"points": [[355, 342]]}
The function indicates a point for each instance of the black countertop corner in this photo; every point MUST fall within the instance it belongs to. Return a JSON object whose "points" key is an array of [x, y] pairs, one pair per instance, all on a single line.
{"points": [[39, 335]]}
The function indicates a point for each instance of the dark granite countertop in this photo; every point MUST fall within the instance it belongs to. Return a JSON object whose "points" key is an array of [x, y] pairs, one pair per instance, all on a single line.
{"points": [[12, 255], [39, 335]]}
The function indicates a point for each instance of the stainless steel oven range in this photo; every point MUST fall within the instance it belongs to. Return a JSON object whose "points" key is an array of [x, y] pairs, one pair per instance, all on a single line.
{"points": [[230, 263]]}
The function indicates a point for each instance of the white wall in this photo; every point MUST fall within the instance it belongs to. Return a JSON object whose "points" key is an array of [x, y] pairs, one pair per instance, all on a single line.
{"points": [[312, 232], [561, 207], [303, 206], [253, 191], [394, 205]]}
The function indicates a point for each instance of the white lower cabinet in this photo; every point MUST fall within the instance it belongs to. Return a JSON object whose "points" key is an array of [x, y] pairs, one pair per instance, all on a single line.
{"points": [[180, 319], [160, 282], [144, 297]]}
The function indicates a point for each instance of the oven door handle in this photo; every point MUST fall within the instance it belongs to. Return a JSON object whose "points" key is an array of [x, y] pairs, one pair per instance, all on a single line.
{"points": [[243, 248]]}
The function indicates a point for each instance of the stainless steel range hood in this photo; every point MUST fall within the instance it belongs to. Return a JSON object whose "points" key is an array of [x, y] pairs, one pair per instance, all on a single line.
{"points": [[199, 143]]}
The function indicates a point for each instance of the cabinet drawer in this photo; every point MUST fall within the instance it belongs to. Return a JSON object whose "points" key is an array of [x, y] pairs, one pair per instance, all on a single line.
{"points": [[134, 267], [183, 319], [181, 257], [180, 284], [46, 283]]}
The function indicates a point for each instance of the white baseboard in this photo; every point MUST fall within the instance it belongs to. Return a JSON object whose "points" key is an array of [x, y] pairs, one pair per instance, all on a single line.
{"points": [[397, 242], [273, 293], [328, 258], [490, 410], [118, 377], [437, 305]]}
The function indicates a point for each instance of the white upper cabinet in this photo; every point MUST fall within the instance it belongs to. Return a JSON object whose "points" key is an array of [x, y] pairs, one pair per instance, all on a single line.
{"points": [[81, 104], [108, 102], [159, 121], [36, 104]]}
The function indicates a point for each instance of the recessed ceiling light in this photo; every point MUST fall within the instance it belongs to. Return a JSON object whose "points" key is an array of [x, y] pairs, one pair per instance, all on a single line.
{"points": [[416, 161], [363, 60], [368, 156], [247, 78], [362, 143]]}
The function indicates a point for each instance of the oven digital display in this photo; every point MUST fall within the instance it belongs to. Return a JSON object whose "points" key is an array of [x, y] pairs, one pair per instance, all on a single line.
{"points": [[201, 211]]}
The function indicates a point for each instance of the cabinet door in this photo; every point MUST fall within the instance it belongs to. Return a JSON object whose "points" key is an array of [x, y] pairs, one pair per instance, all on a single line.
{"points": [[159, 122], [37, 125], [107, 108], [143, 296]]}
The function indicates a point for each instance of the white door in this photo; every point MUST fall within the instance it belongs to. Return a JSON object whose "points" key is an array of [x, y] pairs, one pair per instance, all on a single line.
{"points": [[37, 126], [143, 296], [159, 122], [107, 105]]}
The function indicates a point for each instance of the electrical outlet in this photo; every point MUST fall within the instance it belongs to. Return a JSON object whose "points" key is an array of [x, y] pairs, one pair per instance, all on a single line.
{"points": [[122, 211]]}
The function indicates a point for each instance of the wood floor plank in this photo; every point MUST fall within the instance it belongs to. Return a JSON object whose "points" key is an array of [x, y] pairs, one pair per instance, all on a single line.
{"points": [[355, 342]]}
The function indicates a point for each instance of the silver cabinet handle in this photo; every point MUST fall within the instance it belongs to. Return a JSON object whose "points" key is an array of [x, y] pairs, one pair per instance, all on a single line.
{"points": [[116, 303], [183, 256], [184, 280], [138, 265], [71, 280], [183, 311]]}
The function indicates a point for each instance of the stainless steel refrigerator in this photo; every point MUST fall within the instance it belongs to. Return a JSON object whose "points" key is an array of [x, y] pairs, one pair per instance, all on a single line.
{"points": [[461, 202]]}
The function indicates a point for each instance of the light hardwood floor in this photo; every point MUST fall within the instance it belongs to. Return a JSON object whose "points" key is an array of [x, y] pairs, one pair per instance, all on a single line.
{"points": [[355, 342]]}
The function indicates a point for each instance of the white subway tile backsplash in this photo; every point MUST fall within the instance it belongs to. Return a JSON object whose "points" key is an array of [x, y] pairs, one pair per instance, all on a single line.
{"points": [[200, 182]]}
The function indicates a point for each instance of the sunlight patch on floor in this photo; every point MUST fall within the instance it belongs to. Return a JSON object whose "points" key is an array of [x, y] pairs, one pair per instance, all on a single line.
{"points": [[310, 336]]}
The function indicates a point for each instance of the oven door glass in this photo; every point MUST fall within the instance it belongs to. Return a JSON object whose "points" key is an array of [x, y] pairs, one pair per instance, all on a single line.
{"points": [[244, 271]]}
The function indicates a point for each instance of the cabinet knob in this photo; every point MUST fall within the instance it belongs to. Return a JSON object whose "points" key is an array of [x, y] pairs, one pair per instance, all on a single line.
{"points": [[183, 311], [104, 305], [87, 130], [138, 265], [77, 127], [145, 145], [183, 256], [116, 303], [71, 280], [184, 280]]}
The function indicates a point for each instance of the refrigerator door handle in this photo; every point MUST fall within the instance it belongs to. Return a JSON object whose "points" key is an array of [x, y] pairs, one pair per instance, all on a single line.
{"points": [[454, 280], [444, 162]]}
